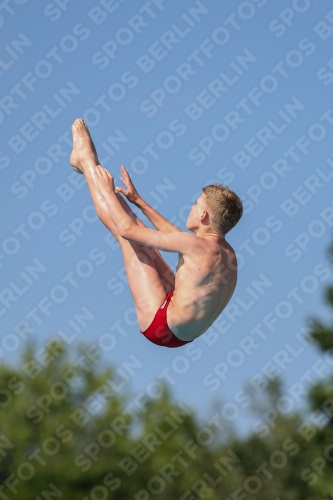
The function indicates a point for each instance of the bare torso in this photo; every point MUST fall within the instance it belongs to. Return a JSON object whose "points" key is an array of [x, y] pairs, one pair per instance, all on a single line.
{"points": [[204, 285]]}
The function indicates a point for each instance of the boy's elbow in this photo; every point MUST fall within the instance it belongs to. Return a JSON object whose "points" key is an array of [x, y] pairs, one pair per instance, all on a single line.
{"points": [[125, 231]]}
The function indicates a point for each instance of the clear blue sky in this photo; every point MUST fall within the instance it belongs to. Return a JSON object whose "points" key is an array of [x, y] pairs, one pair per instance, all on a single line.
{"points": [[182, 93]]}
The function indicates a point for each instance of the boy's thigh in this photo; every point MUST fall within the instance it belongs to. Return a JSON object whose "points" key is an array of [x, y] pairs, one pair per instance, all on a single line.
{"points": [[144, 282]]}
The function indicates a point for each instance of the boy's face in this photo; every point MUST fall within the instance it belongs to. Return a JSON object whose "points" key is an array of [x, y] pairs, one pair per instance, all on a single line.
{"points": [[196, 213]]}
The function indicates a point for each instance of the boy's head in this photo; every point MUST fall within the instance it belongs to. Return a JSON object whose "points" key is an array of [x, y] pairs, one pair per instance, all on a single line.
{"points": [[224, 205]]}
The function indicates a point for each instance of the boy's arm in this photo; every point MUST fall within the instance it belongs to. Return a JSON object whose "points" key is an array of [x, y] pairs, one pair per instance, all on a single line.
{"points": [[158, 221], [169, 242]]}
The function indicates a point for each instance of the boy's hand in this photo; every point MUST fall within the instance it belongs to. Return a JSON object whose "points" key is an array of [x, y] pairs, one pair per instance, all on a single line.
{"points": [[104, 180], [130, 192]]}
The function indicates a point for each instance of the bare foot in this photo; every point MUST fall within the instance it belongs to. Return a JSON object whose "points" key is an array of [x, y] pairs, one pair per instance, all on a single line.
{"points": [[84, 152]]}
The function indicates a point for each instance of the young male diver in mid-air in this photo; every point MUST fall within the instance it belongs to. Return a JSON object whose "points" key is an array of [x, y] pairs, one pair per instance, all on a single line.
{"points": [[172, 309]]}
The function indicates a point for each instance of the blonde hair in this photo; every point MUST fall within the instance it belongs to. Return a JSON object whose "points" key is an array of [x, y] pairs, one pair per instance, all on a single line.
{"points": [[226, 207]]}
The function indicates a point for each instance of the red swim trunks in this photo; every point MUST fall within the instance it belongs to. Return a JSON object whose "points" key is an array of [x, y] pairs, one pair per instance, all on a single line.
{"points": [[158, 332]]}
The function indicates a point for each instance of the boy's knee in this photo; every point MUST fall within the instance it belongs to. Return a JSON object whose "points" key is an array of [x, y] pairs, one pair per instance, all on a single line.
{"points": [[101, 215], [101, 208]]}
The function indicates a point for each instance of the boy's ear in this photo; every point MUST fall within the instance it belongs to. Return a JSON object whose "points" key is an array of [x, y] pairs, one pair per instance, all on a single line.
{"points": [[204, 216]]}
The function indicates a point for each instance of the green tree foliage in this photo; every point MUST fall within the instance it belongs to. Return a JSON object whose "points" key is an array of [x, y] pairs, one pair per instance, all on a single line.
{"points": [[320, 479], [68, 429]]}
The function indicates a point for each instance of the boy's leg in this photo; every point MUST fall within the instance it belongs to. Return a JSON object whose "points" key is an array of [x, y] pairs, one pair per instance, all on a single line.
{"points": [[142, 271], [167, 276], [165, 272]]}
